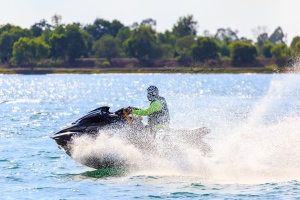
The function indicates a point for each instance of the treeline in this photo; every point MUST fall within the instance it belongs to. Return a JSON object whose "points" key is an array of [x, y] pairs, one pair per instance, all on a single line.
{"points": [[59, 43]]}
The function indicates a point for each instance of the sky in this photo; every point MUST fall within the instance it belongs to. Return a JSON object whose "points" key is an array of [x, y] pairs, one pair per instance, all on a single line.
{"points": [[241, 15]]}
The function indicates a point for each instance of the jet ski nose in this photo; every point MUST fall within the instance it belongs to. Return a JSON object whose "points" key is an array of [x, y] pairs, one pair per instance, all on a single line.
{"points": [[63, 136]]}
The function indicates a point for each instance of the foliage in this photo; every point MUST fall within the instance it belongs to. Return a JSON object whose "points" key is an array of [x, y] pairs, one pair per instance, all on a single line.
{"points": [[281, 51], [59, 46], [166, 38], [29, 51], [38, 28], [184, 44], [105, 64], [103, 27], [109, 39], [56, 20], [167, 50], [142, 44], [76, 44], [277, 36], [107, 47], [266, 49], [185, 26], [9, 37], [123, 34], [242, 52], [294, 41], [205, 48], [297, 47], [226, 34]]}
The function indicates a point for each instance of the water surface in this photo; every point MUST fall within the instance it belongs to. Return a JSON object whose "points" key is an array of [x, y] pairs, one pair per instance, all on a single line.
{"points": [[254, 122]]}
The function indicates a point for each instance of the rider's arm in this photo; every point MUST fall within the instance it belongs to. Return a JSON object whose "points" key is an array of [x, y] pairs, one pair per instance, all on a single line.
{"points": [[154, 107]]}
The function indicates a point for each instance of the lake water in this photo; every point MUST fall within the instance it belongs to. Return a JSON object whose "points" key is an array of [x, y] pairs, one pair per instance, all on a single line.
{"points": [[255, 137]]}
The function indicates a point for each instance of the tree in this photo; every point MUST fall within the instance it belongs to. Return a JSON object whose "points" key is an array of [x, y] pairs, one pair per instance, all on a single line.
{"points": [[6, 27], [185, 26], [107, 47], [142, 45], [59, 46], [294, 42], [281, 51], [266, 49], [76, 43], [9, 37], [185, 43], [205, 48], [166, 38], [102, 27], [277, 36], [123, 34], [56, 20], [297, 47], [114, 27], [29, 51], [228, 34], [242, 52], [149, 22], [167, 50], [38, 28]]}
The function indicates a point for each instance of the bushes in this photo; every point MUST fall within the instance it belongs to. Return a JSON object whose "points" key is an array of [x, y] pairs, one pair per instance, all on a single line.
{"points": [[242, 52]]}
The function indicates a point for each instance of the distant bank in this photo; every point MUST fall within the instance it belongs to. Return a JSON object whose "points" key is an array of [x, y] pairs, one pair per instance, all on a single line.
{"points": [[167, 70], [125, 65]]}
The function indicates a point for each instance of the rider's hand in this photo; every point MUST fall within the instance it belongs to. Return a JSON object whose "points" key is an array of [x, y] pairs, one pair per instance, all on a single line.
{"points": [[128, 110]]}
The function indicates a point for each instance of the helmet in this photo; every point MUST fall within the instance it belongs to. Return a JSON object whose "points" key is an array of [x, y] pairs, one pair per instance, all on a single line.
{"points": [[152, 93]]}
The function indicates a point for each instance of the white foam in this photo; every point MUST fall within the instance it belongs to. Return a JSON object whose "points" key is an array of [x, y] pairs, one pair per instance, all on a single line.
{"points": [[246, 150]]}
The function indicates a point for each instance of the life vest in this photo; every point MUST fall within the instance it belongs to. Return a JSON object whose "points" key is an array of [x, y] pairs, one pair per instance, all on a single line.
{"points": [[161, 117]]}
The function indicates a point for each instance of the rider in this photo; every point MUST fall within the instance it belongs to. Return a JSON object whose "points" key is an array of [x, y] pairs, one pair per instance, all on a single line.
{"points": [[157, 112]]}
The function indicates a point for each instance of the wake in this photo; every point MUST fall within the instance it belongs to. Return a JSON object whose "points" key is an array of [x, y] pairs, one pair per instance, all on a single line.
{"points": [[258, 148]]}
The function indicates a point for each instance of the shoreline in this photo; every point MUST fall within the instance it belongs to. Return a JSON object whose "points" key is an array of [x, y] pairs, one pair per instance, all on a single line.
{"points": [[164, 70]]}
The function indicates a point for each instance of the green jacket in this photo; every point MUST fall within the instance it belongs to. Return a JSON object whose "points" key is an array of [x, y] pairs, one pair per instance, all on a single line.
{"points": [[157, 112], [155, 106]]}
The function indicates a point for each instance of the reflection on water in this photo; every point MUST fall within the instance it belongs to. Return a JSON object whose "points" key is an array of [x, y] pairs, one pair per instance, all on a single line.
{"points": [[100, 174]]}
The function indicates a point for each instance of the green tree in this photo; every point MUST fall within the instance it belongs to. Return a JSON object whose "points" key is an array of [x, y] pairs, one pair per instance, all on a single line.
{"points": [[205, 48], [29, 51], [167, 38], [114, 27], [183, 46], [102, 27], [142, 45], [266, 49], [185, 26], [107, 47], [224, 46], [6, 27], [76, 43], [281, 51], [167, 50], [38, 28], [124, 34], [9, 37], [297, 47], [59, 46], [294, 47], [242, 52]]}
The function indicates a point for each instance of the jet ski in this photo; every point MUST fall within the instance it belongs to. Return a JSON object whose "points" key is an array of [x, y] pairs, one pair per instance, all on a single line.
{"points": [[101, 119], [91, 123]]}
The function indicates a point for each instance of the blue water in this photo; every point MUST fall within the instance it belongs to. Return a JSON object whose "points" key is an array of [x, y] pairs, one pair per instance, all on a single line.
{"points": [[255, 137]]}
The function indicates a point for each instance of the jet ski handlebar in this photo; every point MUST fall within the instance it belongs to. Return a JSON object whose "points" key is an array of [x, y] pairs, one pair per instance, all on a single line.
{"points": [[127, 111]]}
